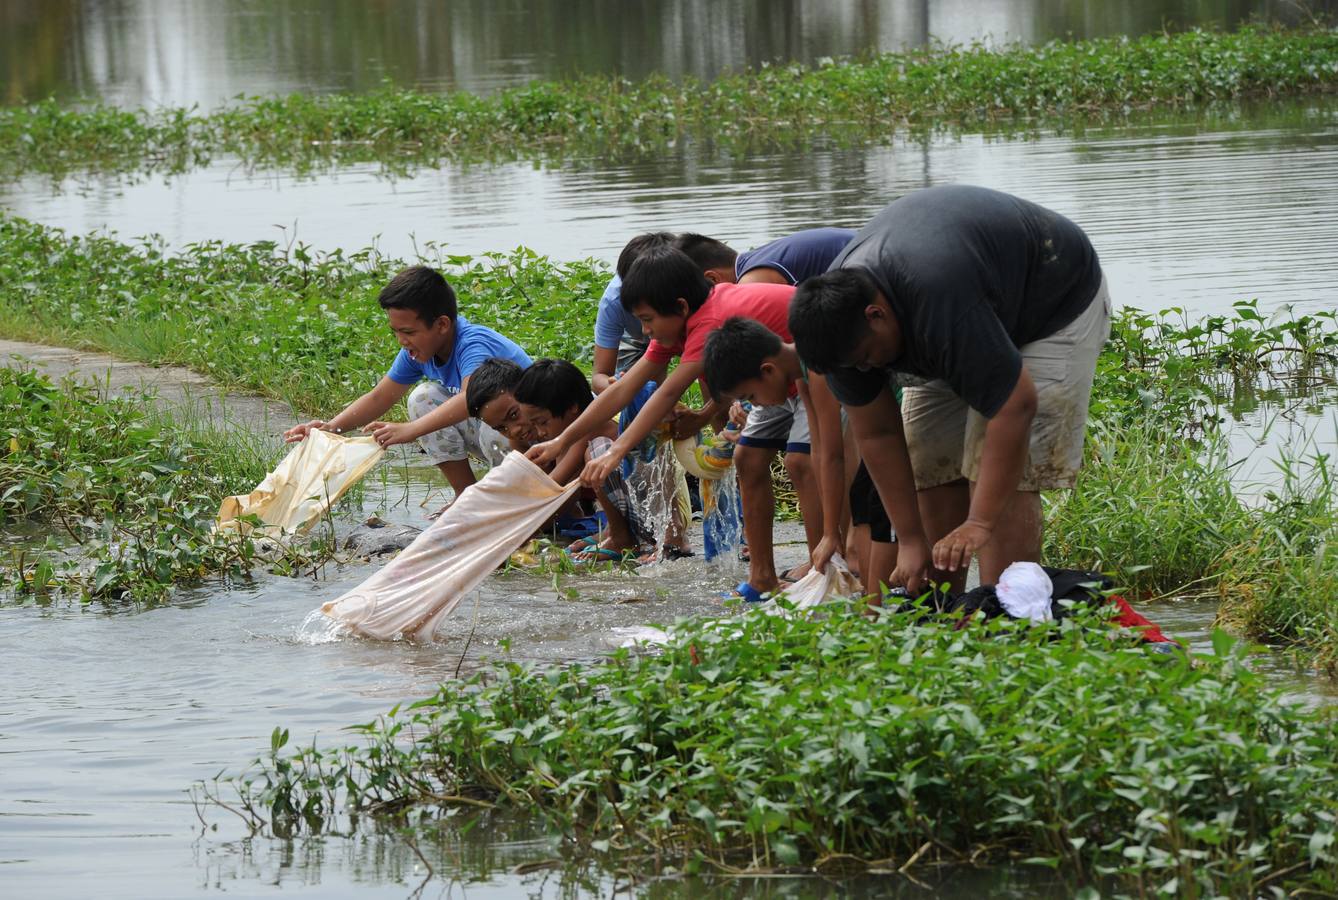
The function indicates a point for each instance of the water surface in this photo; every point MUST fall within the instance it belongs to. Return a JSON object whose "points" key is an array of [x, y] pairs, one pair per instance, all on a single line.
{"points": [[187, 52]]}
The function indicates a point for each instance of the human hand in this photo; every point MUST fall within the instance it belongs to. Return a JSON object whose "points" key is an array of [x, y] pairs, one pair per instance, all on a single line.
{"points": [[545, 453], [955, 550], [388, 434], [300, 432], [738, 414], [688, 424], [597, 470], [828, 547], [912, 571]]}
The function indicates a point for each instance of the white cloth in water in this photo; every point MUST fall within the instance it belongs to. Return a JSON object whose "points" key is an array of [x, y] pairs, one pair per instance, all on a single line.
{"points": [[815, 587], [419, 588], [314, 474], [1025, 592]]}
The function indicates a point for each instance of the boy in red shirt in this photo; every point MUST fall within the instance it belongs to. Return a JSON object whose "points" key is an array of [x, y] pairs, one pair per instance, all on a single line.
{"points": [[678, 308]]}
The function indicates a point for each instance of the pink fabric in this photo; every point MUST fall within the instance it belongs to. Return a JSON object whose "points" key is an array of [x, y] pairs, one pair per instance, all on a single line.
{"points": [[767, 303]]}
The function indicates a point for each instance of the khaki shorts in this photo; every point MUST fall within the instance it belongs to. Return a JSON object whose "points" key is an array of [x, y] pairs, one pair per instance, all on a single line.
{"points": [[945, 436]]}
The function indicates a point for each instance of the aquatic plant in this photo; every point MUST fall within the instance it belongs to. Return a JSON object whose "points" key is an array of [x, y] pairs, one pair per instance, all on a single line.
{"points": [[284, 321], [853, 100], [771, 744], [129, 495]]}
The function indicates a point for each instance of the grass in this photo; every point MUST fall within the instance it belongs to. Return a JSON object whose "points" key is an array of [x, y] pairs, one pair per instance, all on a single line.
{"points": [[768, 744], [857, 100]]}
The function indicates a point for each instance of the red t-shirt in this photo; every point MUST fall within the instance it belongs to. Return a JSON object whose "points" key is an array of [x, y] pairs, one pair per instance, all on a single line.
{"points": [[767, 303]]}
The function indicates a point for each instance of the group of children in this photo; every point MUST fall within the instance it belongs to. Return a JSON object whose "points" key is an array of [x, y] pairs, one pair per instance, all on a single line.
{"points": [[931, 371]]}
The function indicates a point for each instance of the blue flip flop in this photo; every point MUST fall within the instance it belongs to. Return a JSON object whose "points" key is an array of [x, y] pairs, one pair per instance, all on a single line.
{"points": [[748, 594]]}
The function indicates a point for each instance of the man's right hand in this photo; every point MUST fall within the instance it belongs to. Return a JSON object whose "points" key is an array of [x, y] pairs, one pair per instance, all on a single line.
{"points": [[912, 569], [545, 453], [300, 432]]}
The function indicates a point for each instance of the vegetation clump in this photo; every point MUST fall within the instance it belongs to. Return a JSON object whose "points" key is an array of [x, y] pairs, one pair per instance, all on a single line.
{"points": [[767, 743], [854, 100], [133, 494]]}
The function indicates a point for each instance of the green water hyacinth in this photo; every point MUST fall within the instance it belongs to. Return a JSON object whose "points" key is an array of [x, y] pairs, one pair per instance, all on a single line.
{"points": [[853, 101], [771, 744]]}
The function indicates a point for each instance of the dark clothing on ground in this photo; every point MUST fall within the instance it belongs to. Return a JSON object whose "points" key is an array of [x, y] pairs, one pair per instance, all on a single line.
{"points": [[797, 256], [971, 275]]}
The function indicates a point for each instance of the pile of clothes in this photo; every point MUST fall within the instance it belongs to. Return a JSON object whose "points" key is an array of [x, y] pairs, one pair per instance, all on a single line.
{"points": [[1037, 593]]}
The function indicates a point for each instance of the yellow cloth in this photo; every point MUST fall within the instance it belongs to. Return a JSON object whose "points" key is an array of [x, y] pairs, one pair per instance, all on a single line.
{"points": [[315, 474]]}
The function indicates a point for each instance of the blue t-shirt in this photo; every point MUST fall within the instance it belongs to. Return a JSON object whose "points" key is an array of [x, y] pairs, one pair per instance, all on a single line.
{"points": [[797, 256], [473, 344], [613, 321]]}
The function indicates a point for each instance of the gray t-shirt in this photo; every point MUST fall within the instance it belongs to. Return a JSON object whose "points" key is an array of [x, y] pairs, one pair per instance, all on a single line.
{"points": [[971, 275]]}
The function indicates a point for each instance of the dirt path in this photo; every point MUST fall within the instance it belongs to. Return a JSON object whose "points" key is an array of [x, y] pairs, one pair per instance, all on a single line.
{"points": [[178, 389]]}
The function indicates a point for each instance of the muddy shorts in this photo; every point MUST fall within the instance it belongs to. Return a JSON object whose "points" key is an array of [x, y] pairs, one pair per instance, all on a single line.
{"points": [[459, 441], [781, 427], [945, 436]]}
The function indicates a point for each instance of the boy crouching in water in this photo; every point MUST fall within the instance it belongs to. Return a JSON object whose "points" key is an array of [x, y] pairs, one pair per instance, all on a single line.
{"points": [[746, 361], [439, 352], [537, 404]]}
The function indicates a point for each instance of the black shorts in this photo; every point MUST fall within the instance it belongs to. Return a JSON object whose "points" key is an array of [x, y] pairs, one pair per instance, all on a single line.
{"points": [[866, 507]]}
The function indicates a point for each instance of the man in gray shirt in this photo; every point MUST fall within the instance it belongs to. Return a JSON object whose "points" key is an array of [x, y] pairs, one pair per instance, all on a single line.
{"points": [[990, 311]]}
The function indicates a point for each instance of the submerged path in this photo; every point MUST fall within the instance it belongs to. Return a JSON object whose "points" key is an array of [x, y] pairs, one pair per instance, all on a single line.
{"points": [[178, 389]]}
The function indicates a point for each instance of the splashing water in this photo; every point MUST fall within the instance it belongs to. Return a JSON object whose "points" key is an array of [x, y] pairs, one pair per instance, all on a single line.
{"points": [[318, 628]]}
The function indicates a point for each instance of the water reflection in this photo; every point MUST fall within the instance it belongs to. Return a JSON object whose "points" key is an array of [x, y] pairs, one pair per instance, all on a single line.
{"points": [[184, 52]]}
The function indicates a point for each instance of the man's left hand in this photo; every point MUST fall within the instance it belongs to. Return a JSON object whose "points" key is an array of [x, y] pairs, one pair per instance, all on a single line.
{"points": [[388, 434], [955, 550]]}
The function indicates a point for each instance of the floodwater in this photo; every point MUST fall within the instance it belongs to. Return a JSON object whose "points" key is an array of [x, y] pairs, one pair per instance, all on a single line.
{"points": [[111, 716]]}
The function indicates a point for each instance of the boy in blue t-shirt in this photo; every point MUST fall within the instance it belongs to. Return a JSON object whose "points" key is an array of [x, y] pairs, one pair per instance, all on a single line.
{"points": [[441, 349]]}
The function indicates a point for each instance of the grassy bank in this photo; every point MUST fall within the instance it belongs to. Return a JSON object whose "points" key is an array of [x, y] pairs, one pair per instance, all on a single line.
{"points": [[852, 100], [768, 744], [1156, 503], [127, 496]]}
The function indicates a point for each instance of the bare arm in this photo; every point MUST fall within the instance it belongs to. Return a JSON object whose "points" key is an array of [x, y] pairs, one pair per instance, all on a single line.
{"points": [[570, 464], [452, 412], [651, 415], [606, 363], [367, 408], [824, 425], [882, 443], [1002, 459], [604, 407]]}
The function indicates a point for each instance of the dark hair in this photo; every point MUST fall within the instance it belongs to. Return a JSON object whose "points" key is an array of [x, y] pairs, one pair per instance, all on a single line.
{"points": [[553, 384], [660, 277], [706, 252], [827, 316], [639, 245], [735, 352], [494, 377], [422, 290]]}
